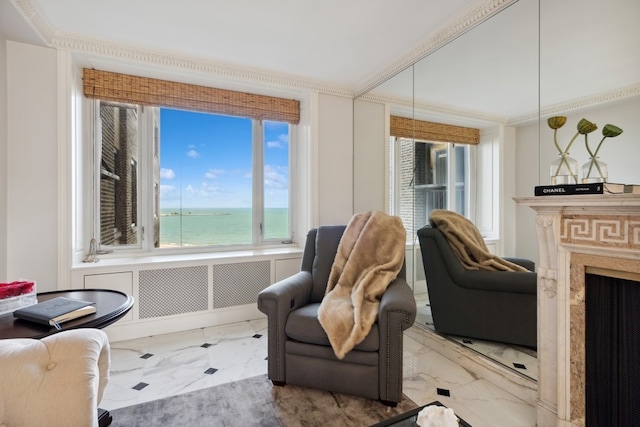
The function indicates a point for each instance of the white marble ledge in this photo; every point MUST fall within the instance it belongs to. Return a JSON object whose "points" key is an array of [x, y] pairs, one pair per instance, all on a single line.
{"points": [[114, 260]]}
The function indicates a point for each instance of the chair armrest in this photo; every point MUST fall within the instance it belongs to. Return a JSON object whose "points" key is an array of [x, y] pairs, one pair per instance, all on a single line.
{"points": [[523, 262], [287, 294], [277, 301], [398, 299], [519, 282], [397, 313]]}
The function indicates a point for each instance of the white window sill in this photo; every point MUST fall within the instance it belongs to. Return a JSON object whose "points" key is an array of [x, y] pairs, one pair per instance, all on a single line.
{"points": [[111, 260]]}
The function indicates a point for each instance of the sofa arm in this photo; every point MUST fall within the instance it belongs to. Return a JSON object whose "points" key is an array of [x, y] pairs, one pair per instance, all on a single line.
{"points": [[55, 381], [277, 301]]}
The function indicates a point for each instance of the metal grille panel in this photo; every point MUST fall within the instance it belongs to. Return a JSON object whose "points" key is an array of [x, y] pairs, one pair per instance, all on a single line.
{"points": [[169, 291], [240, 283]]}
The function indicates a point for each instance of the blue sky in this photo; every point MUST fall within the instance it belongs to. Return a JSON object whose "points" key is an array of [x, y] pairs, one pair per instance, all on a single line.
{"points": [[205, 161]]}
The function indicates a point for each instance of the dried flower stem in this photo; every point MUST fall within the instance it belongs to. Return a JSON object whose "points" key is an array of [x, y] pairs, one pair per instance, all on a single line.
{"points": [[564, 153]]}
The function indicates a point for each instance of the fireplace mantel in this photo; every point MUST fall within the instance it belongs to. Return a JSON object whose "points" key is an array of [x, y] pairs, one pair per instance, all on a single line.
{"points": [[575, 233]]}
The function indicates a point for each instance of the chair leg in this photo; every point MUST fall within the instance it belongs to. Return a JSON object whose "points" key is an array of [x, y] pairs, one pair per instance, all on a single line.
{"points": [[104, 418], [278, 383], [389, 403]]}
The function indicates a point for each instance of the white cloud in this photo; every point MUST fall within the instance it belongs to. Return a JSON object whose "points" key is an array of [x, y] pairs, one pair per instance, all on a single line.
{"points": [[208, 188], [166, 190], [274, 178], [193, 154], [281, 142], [189, 190], [213, 173], [167, 173]]}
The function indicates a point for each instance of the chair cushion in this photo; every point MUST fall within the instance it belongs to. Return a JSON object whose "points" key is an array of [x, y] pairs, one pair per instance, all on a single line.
{"points": [[303, 326]]}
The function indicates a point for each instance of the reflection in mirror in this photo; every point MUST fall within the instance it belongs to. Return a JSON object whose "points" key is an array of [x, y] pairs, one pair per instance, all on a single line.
{"points": [[471, 86], [505, 77]]}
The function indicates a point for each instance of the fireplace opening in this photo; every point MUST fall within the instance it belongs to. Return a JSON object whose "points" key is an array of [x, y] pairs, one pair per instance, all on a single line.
{"points": [[612, 351]]}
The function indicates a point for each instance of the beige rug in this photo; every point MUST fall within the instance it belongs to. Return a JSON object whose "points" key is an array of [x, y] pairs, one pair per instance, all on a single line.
{"points": [[256, 402]]}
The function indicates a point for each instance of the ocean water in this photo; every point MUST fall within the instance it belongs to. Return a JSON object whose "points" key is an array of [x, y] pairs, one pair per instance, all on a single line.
{"points": [[223, 226]]}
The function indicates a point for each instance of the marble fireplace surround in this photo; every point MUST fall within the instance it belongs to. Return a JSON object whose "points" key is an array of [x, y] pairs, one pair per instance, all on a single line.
{"points": [[599, 234]]}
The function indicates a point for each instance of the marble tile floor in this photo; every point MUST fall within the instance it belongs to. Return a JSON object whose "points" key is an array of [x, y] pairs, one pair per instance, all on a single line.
{"points": [[521, 359], [154, 367]]}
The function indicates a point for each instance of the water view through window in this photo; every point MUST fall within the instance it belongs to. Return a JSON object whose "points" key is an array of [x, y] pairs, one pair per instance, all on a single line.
{"points": [[206, 192]]}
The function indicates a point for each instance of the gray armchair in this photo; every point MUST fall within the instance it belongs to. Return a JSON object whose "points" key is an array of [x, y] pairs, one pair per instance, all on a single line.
{"points": [[490, 305], [299, 351]]}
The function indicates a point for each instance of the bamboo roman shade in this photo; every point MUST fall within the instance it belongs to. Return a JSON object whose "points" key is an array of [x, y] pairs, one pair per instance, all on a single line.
{"points": [[162, 93], [403, 127]]}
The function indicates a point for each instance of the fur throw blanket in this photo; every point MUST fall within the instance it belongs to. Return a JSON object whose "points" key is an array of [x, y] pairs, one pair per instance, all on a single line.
{"points": [[370, 256], [467, 243]]}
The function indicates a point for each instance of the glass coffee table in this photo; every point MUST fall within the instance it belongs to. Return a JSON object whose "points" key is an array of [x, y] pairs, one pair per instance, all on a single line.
{"points": [[408, 419]]}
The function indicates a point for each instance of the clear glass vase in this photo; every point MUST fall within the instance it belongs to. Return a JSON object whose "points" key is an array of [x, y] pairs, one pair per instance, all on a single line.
{"points": [[595, 170], [564, 170]]}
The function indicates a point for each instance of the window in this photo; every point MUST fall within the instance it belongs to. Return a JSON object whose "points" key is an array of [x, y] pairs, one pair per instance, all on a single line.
{"points": [[429, 175], [173, 178], [177, 165], [430, 166]]}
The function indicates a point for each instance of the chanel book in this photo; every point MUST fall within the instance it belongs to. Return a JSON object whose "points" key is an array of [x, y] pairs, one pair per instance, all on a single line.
{"points": [[590, 188], [55, 311]]}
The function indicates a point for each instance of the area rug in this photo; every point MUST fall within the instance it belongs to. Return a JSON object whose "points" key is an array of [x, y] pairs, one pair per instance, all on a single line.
{"points": [[256, 402]]}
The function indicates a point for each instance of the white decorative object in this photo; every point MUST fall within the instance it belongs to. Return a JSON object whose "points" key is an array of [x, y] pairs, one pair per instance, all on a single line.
{"points": [[437, 416]]}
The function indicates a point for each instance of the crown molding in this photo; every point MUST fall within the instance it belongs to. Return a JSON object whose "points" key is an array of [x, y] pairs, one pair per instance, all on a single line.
{"points": [[615, 95], [449, 32], [79, 44], [35, 19], [84, 45], [419, 109]]}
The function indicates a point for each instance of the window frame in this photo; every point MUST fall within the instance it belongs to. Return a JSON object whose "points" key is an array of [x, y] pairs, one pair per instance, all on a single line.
{"points": [[146, 187], [396, 182]]}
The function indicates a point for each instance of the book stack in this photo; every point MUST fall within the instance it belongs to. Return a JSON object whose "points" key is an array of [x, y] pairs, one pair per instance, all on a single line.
{"points": [[591, 188], [55, 311]]}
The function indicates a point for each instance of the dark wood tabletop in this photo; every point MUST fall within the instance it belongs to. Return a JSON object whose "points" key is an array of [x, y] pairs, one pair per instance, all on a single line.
{"points": [[110, 307]]}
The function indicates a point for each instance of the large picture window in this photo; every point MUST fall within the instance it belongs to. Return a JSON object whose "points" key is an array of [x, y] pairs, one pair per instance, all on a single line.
{"points": [[177, 177]]}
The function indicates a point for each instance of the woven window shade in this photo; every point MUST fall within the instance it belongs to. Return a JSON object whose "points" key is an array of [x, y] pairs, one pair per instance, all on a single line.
{"points": [[162, 93], [403, 127]]}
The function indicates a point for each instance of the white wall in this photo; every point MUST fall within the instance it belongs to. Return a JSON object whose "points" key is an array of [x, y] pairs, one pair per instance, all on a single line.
{"points": [[334, 160], [32, 190], [371, 165], [3, 159], [622, 154]]}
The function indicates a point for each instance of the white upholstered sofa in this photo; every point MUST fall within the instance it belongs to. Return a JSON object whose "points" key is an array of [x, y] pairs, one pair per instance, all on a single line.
{"points": [[55, 381]]}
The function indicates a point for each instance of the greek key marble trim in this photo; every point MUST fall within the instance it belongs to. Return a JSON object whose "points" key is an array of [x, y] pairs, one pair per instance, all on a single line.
{"points": [[614, 231]]}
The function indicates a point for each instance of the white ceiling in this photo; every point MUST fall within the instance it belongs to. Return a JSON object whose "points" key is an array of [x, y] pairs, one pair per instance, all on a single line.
{"points": [[494, 71], [336, 42]]}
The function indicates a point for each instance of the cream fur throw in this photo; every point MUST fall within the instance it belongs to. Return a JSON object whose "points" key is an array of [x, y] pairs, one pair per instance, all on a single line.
{"points": [[370, 256], [467, 243]]}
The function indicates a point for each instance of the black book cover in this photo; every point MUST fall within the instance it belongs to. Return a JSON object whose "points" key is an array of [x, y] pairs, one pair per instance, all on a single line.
{"points": [[569, 189], [45, 311]]}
